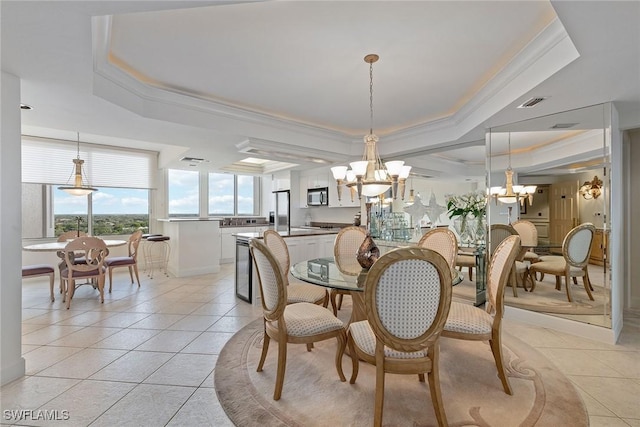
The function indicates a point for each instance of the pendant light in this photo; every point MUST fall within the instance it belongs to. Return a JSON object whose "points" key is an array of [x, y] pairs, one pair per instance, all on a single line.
{"points": [[78, 188]]}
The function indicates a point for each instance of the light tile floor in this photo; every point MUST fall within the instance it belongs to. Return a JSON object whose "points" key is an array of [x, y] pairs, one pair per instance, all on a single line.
{"points": [[146, 356]]}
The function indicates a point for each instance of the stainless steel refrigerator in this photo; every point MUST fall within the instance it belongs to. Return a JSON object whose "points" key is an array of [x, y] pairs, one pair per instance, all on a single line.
{"points": [[283, 211]]}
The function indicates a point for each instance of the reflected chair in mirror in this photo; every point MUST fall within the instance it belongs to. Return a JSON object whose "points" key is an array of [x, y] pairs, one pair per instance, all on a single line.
{"points": [[345, 248], [466, 259], [130, 261], [407, 299], [576, 248], [297, 291], [499, 232], [94, 251], [300, 323], [445, 242], [529, 235], [467, 322], [68, 236], [39, 270]]}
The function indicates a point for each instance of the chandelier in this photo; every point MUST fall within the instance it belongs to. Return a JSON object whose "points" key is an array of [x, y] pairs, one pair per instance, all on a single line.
{"points": [[369, 176], [512, 193], [78, 188]]}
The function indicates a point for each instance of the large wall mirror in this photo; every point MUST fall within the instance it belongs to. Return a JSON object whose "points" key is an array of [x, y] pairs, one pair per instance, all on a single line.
{"points": [[561, 176]]}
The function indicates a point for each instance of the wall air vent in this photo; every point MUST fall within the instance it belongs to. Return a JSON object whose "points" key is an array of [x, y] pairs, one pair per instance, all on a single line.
{"points": [[563, 125], [532, 102]]}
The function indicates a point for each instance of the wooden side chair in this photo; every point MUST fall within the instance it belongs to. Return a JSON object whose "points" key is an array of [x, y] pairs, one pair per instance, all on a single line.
{"points": [[407, 299], [445, 242], [297, 291], [467, 322], [94, 251], [518, 269], [38, 270], [576, 249], [68, 236], [529, 236], [130, 261], [300, 323], [346, 245]]}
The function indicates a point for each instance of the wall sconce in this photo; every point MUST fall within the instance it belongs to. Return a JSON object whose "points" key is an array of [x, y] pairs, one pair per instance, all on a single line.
{"points": [[591, 189]]}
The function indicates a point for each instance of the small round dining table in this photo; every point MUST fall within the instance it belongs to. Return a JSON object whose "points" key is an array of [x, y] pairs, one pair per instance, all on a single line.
{"points": [[59, 246]]}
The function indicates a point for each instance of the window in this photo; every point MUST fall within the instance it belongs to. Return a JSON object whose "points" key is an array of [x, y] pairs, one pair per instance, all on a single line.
{"points": [[246, 195], [123, 176], [183, 193], [233, 194]]}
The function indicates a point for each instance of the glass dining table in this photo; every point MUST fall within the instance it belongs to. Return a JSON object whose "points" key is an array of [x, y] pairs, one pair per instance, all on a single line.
{"points": [[343, 273]]}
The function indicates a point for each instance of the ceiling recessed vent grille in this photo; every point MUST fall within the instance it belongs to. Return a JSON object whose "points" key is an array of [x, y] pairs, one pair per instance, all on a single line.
{"points": [[193, 160], [532, 102], [563, 125]]}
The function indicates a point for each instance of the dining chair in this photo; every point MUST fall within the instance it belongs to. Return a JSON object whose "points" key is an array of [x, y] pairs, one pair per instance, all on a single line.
{"points": [[529, 236], [300, 323], [38, 270], [467, 322], [297, 291], [94, 251], [445, 242], [576, 248], [345, 246], [407, 299], [518, 269], [130, 261], [67, 236]]}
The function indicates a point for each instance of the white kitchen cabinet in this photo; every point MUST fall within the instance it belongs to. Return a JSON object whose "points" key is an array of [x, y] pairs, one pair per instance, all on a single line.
{"points": [[228, 243], [281, 181]]}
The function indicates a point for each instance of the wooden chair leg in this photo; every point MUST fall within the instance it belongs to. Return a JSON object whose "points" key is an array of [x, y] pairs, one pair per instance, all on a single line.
{"points": [[334, 304], [587, 286], [379, 399], [496, 348], [131, 273], [355, 364], [282, 366], [135, 270], [567, 283], [265, 347], [110, 278], [514, 281], [421, 378], [434, 386], [340, 301], [51, 280], [342, 343], [558, 283]]}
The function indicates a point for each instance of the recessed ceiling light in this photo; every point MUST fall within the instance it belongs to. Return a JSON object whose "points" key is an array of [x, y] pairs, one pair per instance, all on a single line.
{"points": [[26, 107]]}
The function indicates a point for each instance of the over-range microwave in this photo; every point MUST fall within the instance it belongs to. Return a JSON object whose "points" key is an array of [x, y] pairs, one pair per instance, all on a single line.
{"points": [[318, 196]]}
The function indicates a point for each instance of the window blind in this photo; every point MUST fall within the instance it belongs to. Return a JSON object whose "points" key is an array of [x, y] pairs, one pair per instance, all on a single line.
{"points": [[50, 161]]}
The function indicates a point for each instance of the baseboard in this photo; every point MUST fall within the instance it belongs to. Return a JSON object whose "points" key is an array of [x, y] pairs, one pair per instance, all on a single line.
{"points": [[584, 330], [13, 372]]}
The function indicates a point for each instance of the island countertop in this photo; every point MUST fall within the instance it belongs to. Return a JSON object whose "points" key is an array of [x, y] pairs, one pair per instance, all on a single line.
{"points": [[295, 232]]}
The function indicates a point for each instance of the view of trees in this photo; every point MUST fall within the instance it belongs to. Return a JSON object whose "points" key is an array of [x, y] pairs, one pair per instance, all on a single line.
{"points": [[103, 225]]}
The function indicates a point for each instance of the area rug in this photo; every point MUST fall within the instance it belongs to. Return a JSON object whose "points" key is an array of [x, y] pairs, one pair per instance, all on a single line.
{"points": [[314, 396], [546, 298]]}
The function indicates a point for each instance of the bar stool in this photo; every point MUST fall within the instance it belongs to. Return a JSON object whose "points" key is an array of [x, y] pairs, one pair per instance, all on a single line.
{"points": [[157, 251]]}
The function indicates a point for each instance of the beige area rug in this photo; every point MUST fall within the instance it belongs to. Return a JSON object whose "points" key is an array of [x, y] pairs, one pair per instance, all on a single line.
{"points": [[314, 396], [546, 299]]}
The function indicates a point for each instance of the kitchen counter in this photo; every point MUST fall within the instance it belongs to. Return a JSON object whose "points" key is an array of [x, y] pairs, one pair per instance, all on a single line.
{"points": [[295, 232]]}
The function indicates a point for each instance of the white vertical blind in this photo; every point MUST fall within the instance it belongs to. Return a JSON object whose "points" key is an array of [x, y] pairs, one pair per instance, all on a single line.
{"points": [[50, 161]]}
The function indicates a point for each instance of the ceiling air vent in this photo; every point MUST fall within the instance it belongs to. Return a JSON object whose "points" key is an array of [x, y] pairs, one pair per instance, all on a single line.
{"points": [[192, 159], [563, 125], [532, 102]]}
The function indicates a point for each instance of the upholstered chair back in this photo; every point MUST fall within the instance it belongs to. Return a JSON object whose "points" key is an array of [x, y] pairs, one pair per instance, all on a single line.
{"points": [[498, 233], [576, 246], [273, 290], [527, 231], [499, 268], [279, 249], [443, 241], [407, 298], [134, 243], [348, 241]]}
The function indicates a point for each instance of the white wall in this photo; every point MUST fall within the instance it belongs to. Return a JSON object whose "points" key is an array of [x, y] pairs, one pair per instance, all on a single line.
{"points": [[632, 284], [12, 365]]}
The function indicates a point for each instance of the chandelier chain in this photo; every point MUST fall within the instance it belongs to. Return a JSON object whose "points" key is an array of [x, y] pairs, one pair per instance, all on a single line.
{"points": [[371, 97]]}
